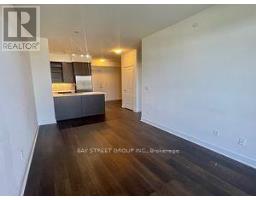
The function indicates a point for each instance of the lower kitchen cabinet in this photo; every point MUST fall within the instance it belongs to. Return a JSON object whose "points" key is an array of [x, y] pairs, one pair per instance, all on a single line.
{"points": [[71, 107], [93, 104], [67, 107]]}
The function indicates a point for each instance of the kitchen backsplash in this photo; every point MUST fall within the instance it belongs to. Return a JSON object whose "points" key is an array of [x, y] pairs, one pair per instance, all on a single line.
{"points": [[63, 87]]}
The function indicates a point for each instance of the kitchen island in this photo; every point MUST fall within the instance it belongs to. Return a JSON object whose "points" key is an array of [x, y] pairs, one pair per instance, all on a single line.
{"points": [[77, 105]]}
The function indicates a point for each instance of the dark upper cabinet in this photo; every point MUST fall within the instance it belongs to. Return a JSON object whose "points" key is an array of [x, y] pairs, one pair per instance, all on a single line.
{"points": [[56, 72], [68, 73], [82, 69], [64, 72]]}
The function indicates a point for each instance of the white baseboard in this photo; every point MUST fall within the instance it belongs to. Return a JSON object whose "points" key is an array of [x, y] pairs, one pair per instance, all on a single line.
{"points": [[48, 123], [137, 110], [238, 157], [28, 164]]}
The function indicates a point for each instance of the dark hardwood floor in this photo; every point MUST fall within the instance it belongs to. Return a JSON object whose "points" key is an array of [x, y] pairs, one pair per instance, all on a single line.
{"points": [[58, 168]]}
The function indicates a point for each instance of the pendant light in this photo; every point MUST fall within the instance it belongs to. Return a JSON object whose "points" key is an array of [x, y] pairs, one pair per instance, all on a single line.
{"points": [[87, 55]]}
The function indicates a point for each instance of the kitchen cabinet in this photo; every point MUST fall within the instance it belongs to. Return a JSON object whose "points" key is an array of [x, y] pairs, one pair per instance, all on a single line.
{"points": [[93, 104], [82, 69], [56, 72], [62, 72], [67, 107], [77, 106], [68, 72]]}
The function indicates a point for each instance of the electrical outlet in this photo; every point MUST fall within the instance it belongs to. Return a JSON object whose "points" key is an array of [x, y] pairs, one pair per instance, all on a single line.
{"points": [[242, 141], [215, 132]]}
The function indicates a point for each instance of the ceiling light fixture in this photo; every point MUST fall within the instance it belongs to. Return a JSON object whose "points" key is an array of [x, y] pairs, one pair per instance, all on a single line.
{"points": [[102, 60], [88, 56], [73, 54], [82, 55], [118, 51]]}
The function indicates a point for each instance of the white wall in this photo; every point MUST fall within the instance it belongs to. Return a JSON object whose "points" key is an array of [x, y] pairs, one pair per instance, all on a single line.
{"points": [[40, 66], [106, 62], [199, 76], [18, 124], [107, 79]]}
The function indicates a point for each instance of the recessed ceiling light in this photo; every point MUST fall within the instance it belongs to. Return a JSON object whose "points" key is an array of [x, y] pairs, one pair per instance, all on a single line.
{"points": [[117, 51], [82, 55], [102, 60], [87, 55], [73, 54]]}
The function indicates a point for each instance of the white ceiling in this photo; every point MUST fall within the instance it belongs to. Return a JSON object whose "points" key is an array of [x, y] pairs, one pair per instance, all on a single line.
{"points": [[107, 26]]}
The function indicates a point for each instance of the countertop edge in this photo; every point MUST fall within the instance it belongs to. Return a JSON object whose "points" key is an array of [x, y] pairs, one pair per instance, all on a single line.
{"points": [[79, 94]]}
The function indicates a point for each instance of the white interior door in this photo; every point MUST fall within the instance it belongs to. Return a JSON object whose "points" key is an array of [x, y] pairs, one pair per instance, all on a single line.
{"points": [[128, 87]]}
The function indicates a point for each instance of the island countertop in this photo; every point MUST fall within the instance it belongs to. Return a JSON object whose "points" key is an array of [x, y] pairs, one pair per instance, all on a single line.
{"points": [[77, 94]]}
